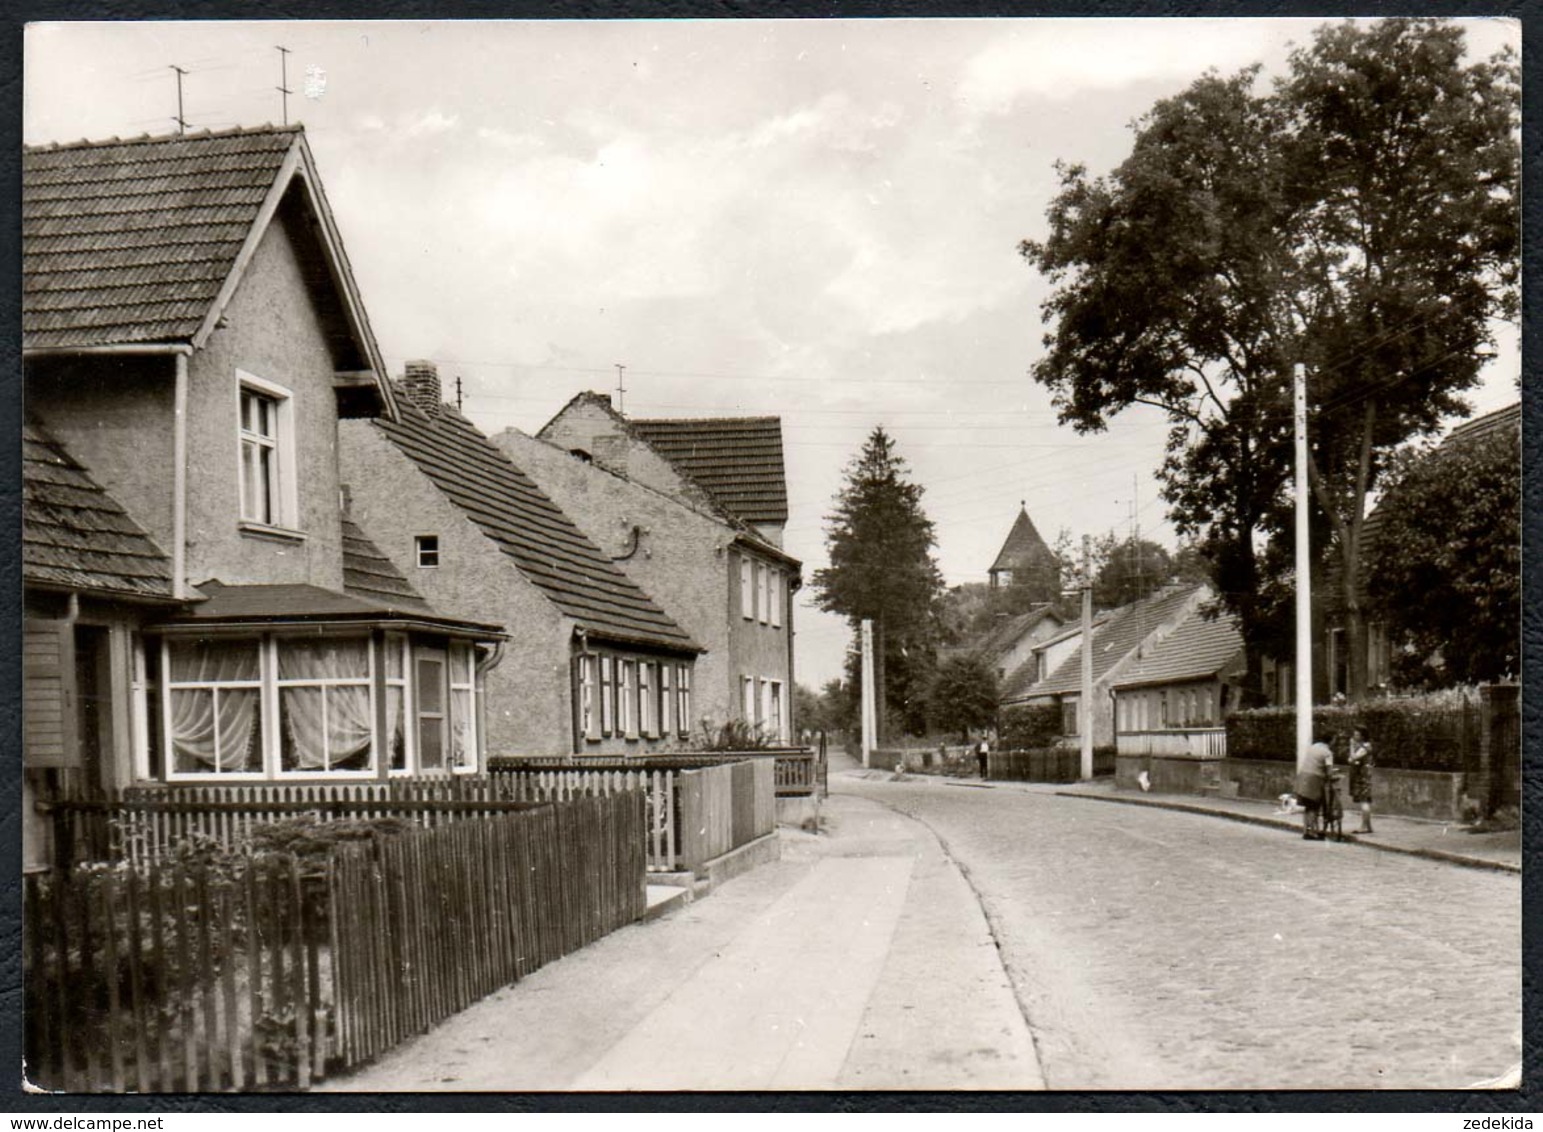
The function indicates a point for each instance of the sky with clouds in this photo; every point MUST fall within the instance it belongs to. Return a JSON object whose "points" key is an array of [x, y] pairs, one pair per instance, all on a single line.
{"points": [[816, 219]]}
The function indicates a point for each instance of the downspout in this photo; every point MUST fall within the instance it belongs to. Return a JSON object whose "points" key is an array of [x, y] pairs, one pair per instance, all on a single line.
{"points": [[179, 479]]}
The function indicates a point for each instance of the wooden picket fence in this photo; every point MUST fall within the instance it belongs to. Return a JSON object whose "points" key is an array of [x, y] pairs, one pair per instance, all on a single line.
{"points": [[171, 980], [272, 971]]}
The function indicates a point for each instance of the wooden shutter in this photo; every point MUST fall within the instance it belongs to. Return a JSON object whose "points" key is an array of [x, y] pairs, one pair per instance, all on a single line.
{"points": [[48, 694]]}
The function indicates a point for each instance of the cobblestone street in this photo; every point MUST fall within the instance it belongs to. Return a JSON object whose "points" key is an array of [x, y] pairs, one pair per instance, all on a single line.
{"points": [[1154, 950]]}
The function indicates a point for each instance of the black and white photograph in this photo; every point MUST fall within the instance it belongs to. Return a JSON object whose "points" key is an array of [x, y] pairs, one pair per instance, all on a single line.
{"points": [[946, 555]]}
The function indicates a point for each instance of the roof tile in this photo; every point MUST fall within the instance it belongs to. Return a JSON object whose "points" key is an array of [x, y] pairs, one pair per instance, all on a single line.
{"points": [[738, 460]]}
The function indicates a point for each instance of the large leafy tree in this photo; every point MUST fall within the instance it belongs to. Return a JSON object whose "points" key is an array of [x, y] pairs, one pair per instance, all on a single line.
{"points": [[879, 542], [1444, 570], [1359, 219], [963, 694]]}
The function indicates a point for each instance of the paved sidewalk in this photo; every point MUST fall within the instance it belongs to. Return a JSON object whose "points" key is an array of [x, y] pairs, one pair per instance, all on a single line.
{"points": [[861, 960], [1436, 840]]}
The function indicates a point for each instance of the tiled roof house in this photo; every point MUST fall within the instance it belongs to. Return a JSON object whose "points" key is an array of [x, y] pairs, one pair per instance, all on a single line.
{"points": [[1123, 638], [192, 335], [475, 534], [735, 463], [729, 588]]}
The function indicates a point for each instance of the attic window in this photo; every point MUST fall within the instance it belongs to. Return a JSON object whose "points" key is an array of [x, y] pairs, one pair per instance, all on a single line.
{"points": [[580, 454], [428, 551]]}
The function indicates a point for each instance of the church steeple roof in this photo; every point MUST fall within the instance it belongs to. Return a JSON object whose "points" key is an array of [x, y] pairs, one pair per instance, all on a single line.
{"points": [[1024, 549]]}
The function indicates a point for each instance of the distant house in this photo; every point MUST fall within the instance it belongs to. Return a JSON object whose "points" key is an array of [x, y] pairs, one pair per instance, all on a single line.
{"points": [[1025, 560], [1013, 641], [199, 608], [736, 462], [1333, 678], [1182, 685], [1121, 639], [594, 665], [721, 581]]}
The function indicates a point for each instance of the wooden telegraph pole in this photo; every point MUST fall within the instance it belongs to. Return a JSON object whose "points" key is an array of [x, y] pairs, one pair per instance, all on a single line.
{"points": [[1304, 604], [1085, 729]]}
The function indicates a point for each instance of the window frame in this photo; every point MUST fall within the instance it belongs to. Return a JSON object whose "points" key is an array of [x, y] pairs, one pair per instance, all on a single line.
{"points": [[648, 704], [626, 698], [589, 697], [607, 695], [774, 598], [746, 588], [167, 686], [683, 698], [371, 770], [778, 704], [426, 546], [747, 702], [667, 704], [763, 592], [284, 505]]}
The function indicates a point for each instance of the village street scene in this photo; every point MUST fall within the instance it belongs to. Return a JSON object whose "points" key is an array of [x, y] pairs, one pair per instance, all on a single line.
{"points": [[771, 556]]}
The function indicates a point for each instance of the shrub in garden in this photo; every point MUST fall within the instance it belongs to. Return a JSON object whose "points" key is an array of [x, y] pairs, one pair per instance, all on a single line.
{"points": [[1438, 732], [1030, 727]]}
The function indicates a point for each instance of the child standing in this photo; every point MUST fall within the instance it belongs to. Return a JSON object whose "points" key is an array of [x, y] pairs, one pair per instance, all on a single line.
{"points": [[1361, 776]]}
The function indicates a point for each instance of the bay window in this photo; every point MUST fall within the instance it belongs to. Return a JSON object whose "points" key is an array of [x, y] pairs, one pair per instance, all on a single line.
{"points": [[326, 717], [626, 694], [272, 706], [589, 716], [666, 701], [683, 692]]}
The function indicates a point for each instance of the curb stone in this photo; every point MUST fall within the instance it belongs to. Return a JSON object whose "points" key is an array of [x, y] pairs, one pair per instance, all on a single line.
{"points": [[1276, 823]]}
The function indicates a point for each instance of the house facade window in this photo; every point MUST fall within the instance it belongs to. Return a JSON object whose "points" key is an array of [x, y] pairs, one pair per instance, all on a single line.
{"points": [[763, 592], [648, 704], [427, 549], [747, 700], [266, 451], [683, 696], [775, 598], [776, 725], [666, 701], [607, 695], [589, 691], [626, 699], [326, 711], [747, 589], [277, 707]]}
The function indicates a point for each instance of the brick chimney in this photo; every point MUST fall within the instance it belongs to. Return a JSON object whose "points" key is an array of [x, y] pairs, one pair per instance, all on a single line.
{"points": [[421, 384]]}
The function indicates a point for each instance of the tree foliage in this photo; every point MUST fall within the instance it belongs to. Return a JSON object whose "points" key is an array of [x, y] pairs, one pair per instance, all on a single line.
{"points": [[1360, 219], [1444, 571], [963, 694], [879, 542]]}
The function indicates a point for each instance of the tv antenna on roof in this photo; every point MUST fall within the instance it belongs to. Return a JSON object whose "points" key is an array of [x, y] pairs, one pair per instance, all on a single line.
{"points": [[182, 124], [621, 390], [283, 87]]}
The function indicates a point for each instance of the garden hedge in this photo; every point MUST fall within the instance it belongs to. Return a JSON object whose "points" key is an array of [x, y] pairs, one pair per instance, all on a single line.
{"points": [[1438, 733]]}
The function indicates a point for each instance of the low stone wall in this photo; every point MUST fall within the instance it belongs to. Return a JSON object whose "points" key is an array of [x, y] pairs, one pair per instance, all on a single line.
{"points": [[1168, 774], [882, 759], [1405, 793]]}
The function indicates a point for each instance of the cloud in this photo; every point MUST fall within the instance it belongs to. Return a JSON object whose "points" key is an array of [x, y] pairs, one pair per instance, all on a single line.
{"points": [[1064, 59]]}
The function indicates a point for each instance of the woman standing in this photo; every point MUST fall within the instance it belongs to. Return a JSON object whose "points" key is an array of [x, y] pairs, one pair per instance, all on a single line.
{"points": [[1312, 773], [1361, 776]]}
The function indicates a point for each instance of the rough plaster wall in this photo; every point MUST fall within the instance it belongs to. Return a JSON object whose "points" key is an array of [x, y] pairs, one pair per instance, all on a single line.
{"points": [[1023, 648], [270, 330], [529, 699], [114, 415], [578, 426], [682, 563]]}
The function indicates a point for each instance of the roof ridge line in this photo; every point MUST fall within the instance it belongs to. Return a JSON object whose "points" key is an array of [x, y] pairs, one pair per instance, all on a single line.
{"points": [[142, 139]]}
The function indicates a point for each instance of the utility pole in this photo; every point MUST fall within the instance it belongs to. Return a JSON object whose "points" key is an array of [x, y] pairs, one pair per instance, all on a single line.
{"points": [[1304, 605], [621, 390], [180, 120], [284, 91], [1085, 728], [870, 716]]}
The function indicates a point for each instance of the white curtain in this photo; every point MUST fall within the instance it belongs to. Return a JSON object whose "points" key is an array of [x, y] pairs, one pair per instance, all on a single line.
{"points": [[314, 737], [193, 711]]}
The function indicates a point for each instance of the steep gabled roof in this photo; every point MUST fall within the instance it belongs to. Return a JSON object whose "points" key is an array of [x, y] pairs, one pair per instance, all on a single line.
{"points": [[1010, 630], [1481, 427], [1116, 639], [369, 574], [1023, 549], [1199, 648], [145, 240], [75, 535], [737, 460], [507, 506]]}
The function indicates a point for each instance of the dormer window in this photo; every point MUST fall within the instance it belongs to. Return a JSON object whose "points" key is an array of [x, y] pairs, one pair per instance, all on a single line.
{"points": [[267, 455], [428, 551]]}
